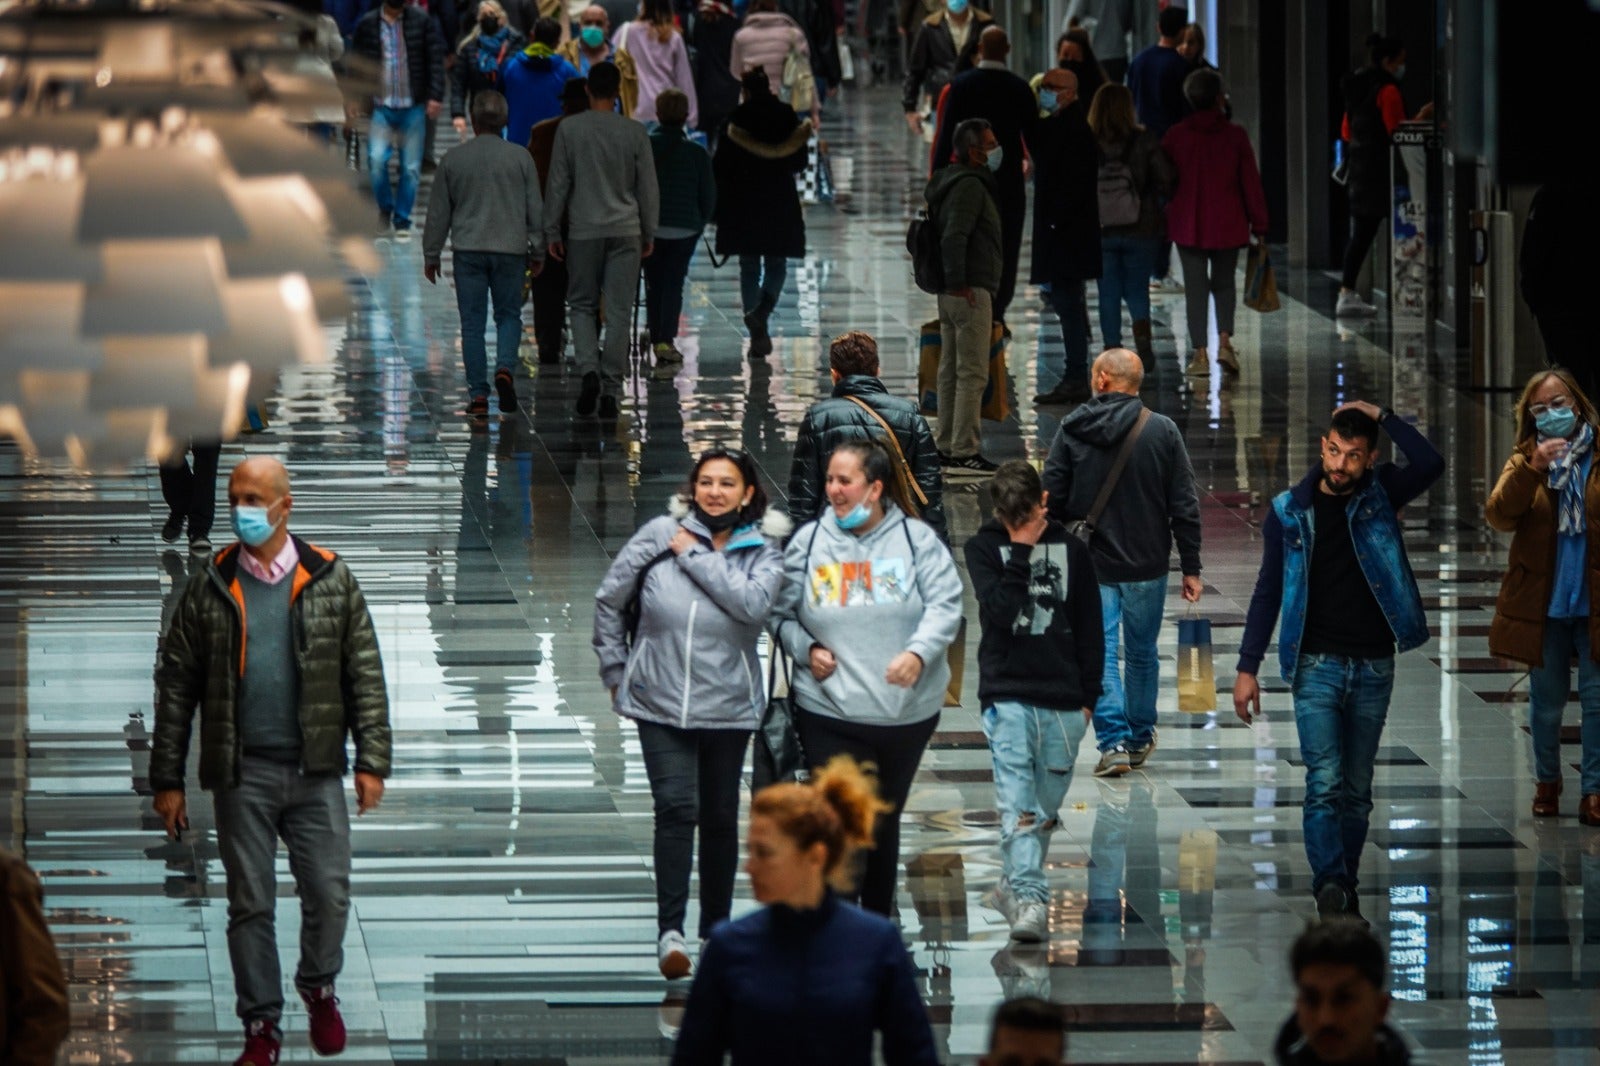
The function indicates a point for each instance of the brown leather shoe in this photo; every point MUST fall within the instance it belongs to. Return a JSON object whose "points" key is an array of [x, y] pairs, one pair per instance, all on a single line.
{"points": [[1589, 809], [1545, 797]]}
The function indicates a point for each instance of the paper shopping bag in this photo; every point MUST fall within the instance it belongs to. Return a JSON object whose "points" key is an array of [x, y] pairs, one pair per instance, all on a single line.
{"points": [[929, 343], [1261, 284], [996, 405], [956, 653], [1197, 683]]}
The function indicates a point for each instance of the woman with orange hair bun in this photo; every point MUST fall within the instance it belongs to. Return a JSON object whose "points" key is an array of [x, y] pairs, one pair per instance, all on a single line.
{"points": [[807, 978]]}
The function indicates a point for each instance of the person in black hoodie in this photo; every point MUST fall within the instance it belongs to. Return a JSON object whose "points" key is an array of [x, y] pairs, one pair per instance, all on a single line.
{"points": [[758, 209], [1341, 1004], [1039, 665], [1153, 504]]}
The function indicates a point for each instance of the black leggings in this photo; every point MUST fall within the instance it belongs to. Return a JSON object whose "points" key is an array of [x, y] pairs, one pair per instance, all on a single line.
{"points": [[1363, 231], [896, 751]]}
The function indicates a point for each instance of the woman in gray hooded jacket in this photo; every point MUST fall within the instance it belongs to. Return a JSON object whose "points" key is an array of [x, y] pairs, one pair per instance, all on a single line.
{"points": [[870, 602], [695, 586]]}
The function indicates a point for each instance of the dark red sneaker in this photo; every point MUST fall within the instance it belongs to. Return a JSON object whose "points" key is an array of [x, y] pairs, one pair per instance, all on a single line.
{"points": [[261, 1043], [327, 1025], [506, 386], [478, 407]]}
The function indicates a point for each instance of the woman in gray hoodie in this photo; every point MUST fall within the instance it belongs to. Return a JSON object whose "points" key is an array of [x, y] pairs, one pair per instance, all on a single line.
{"points": [[676, 621], [871, 600]]}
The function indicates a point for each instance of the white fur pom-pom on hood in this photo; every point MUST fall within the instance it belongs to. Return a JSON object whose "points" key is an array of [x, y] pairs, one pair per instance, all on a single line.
{"points": [[774, 524]]}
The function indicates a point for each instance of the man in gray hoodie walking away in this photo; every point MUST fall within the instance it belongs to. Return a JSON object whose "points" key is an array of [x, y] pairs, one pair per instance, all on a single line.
{"points": [[603, 188], [1153, 503], [486, 198]]}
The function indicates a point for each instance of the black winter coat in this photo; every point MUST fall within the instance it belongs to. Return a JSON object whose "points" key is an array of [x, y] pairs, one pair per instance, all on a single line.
{"points": [[837, 420], [933, 60], [425, 49], [815, 18], [715, 87], [1368, 184], [1010, 107], [1066, 199], [758, 209]]}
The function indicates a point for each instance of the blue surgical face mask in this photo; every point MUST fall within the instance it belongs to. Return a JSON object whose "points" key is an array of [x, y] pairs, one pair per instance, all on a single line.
{"points": [[592, 36], [253, 526], [856, 517], [1400, 72], [1556, 422], [957, 7], [1047, 99], [994, 156]]}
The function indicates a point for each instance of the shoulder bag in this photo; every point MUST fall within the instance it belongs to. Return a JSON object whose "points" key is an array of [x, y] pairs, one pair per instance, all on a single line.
{"points": [[1083, 528], [778, 755], [633, 606], [902, 467]]}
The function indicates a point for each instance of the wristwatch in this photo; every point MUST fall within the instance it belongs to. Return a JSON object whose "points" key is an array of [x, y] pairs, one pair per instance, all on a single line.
{"points": [[1385, 413]]}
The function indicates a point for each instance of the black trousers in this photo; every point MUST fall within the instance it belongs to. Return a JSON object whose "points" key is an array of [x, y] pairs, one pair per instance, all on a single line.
{"points": [[549, 292], [1363, 231], [1013, 205], [695, 780], [896, 752], [192, 491], [664, 274]]}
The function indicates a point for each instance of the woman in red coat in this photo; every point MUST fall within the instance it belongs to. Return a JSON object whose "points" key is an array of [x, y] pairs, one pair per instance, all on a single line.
{"points": [[1217, 206]]}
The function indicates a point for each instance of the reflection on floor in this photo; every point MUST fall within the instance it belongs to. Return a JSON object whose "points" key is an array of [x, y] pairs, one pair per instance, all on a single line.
{"points": [[503, 893]]}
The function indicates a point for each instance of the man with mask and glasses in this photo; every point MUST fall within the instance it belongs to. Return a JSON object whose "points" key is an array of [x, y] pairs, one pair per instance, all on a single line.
{"points": [[1334, 565], [591, 44], [272, 640]]}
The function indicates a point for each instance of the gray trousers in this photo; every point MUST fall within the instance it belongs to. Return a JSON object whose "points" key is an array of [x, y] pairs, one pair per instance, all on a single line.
{"points": [[276, 800], [964, 331], [608, 269], [1208, 275]]}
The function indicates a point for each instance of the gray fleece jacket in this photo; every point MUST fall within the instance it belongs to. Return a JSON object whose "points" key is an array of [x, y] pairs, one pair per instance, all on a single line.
{"points": [[693, 664], [867, 599], [486, 197], [602, 180]]}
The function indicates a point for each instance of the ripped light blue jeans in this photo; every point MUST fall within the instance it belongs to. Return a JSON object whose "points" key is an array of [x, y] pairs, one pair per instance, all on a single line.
{"points": [[1034, 749]]}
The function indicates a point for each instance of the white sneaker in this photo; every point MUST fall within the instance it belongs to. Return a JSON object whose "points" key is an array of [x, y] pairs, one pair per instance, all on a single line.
{"points": [[1032, 923], [1168, 284], [1003, 902], [1351, 305], [673, 955]]}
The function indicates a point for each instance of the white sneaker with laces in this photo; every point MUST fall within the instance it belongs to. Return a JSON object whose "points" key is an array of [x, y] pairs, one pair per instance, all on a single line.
{"points": [[1351, 305], [673, 955], [1032, 923]]}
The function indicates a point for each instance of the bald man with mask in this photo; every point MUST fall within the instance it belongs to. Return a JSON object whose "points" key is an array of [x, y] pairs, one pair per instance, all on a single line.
{"points": [[994, 93], [272, 641]]}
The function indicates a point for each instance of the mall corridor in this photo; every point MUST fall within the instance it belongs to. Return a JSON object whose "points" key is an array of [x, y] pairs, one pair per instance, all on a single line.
{"points": [[503, 900]]}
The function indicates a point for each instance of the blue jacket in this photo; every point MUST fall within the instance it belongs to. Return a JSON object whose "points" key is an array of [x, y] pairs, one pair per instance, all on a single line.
{"points": [[1283, 583], [781, 987], [533, 91]]}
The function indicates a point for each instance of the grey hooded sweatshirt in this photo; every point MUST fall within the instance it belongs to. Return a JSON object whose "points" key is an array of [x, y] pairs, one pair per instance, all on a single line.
{"points": [[867, 599], [693, 664]]}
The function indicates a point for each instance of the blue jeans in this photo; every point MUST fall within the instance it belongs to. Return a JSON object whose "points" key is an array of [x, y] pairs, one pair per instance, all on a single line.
{"points": [[1068, 301], [761, 277], [1564, 640], [1124, 275], [1034, 749], [1340, 706], [480, 276], [404, 128], [1131, 613]]}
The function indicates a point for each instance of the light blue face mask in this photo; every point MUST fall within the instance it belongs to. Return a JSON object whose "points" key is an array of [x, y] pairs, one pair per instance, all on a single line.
{"points": [[592, 36], [994, 156], [1047, 99], [1556, 422], [856, 517], [957, 7], [251, 525]]}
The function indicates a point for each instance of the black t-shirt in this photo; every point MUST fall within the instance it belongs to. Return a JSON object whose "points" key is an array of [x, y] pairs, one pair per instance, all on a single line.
{"points": [[1342, 614]]}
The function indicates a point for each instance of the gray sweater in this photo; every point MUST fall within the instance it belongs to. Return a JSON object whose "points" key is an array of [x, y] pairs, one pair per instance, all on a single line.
{"points": [[269, 691], [868, 598], [486, 198], [602, 180]]}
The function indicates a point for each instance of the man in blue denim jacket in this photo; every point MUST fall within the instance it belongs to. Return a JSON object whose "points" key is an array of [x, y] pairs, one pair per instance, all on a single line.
{"points": [[1334, 563]]}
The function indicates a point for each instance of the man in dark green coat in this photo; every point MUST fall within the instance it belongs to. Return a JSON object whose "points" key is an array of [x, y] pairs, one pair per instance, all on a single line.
{"points": [[273, 642]]}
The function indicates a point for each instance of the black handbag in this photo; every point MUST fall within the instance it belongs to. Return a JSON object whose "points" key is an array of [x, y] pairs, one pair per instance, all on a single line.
{"points": [[779, 755], [633, 606]]}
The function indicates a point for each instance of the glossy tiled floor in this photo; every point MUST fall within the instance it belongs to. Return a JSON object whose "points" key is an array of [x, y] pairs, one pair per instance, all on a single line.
{"points": [[503, 892]]}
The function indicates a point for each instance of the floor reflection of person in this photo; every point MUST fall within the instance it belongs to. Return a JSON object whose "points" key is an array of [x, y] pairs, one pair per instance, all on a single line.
{"points": [[1026, 1031], [190, 493], [1123, 894]]}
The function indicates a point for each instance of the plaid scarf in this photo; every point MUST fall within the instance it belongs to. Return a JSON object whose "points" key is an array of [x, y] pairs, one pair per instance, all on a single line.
{"points": [[1566, 480]]}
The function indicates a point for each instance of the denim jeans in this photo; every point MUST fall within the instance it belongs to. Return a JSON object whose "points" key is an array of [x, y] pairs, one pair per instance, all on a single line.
{"points": [[275, 800], [1131, 613], [402, 128], [664, 274], [1034, 749], [1124, 276], [480, 276], [1564, 640], [1068, 301], [761, 276], [695, 783], [1340, 706]]}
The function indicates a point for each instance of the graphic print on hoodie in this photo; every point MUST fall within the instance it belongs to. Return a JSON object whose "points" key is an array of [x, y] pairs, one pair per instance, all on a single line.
{"points": [[877, 581], [1047, 589]]}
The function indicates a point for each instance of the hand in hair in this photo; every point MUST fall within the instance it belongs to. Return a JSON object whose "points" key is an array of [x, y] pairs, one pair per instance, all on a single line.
{"points": [[1371, 410], [904, 669], [1031, 529]]}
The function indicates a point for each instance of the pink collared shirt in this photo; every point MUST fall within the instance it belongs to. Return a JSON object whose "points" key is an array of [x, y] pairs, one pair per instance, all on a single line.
{"points": [[275, 571]]}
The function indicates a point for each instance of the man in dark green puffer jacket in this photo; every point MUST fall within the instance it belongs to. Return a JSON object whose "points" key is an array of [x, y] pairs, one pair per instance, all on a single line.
{"points": [[272, 640]]}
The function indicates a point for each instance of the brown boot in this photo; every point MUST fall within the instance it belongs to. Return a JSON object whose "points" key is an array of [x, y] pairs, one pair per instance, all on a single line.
{"points": [[1545, 797], [1143, 344], [1589, 809]]}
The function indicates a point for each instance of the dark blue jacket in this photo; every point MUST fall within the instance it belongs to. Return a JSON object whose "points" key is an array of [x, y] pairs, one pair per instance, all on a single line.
{"points": [[533, 91], [781, 987], [1156, 80], [1286, 541]]}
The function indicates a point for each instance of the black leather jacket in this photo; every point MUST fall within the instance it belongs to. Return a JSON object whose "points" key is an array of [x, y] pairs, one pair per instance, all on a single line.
{"points": [[831, 422]]}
